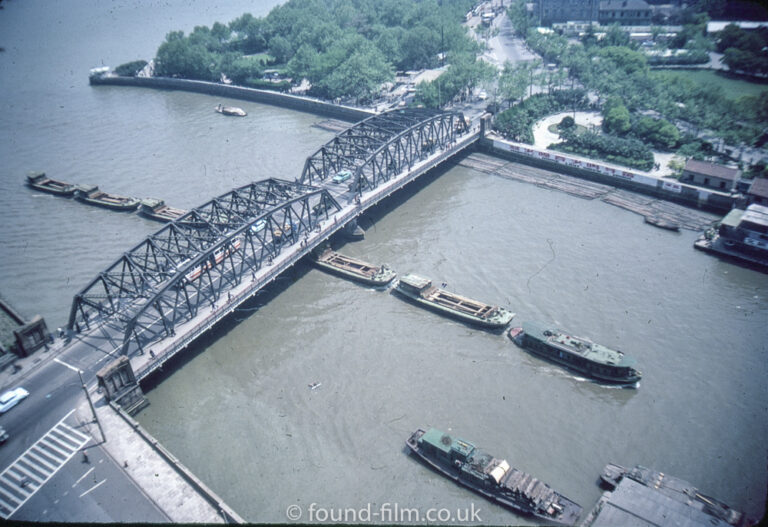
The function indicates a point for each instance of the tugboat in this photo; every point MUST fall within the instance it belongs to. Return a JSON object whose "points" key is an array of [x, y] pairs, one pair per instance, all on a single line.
{"points": [[156, 209], [231, 110], [421, 290], [39, 181], [674, 488], [93, 196], [492, 477], [577, 353], [357, 270]]}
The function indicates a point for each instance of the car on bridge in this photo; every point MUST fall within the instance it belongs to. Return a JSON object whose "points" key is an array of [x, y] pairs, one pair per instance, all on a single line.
{"points": [[11, 398], [342, 176]]}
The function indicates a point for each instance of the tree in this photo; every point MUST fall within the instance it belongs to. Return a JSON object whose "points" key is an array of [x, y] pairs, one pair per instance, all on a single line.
{"points": [[513, 82], [280, 48], [178, 57], [616, 119], [130, 69]]}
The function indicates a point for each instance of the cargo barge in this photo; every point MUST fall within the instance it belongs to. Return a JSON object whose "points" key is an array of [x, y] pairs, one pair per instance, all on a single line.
{"points": [[421, 291], [93, 196], [491, 477], [577, 353], [742, 236], [156, 209], [685, 501], [39, 181], [354, 269]]}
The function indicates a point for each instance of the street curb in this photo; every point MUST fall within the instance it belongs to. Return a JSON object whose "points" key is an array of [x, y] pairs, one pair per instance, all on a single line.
{"points": [[230, 516], [49, 356]]}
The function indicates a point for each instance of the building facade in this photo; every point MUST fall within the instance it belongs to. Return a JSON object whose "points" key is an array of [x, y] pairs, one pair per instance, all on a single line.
{"points": [[625, 13], [559, 11], [710, 175]]}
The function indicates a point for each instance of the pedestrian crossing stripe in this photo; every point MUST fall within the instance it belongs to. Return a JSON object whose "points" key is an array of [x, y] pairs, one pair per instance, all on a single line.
{"points": [[31, 470]]}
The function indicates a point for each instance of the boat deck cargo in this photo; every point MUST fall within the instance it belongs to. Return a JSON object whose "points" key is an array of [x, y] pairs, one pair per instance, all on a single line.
{"points": [[577, 353], [642, 496], [156, 209], [492, 477], [93, 196], [355, 269], [422, 291], [39, 181]]}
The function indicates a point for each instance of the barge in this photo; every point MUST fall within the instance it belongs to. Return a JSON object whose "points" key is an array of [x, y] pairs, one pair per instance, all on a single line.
{"points": [[93, 196], [231, 110], [742, 236], [491, 477], [354, 269], [156, 209], [700, 506], [39, 181], [577, 353], [421, 291]]}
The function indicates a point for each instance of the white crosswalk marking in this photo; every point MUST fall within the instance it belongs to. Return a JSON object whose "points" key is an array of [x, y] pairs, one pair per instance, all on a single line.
{"points": [[37, 465]]}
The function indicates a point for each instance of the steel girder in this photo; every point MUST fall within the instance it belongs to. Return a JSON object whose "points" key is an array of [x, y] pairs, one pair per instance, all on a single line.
{"points": [[384, 145], [165, 279]]}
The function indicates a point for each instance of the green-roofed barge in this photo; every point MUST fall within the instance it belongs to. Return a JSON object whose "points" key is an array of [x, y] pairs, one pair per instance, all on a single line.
{"points": [[492, 477], [421, 291], [576, 353]]}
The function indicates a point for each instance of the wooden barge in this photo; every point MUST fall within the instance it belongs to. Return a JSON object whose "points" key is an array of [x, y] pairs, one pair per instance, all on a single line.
{"points": [[39, 181], [93, 196], [354, 269], [421, 290], [156, 209]]}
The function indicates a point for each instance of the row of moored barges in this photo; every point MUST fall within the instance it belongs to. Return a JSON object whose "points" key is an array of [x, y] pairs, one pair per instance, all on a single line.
{"points": [[152, 208]]}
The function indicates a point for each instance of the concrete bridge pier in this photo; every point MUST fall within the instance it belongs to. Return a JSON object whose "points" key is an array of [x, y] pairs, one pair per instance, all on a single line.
{"points": [[353, 231]]}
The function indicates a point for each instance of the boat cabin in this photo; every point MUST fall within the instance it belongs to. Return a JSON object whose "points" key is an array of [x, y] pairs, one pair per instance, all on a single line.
{"points": [[414, 283], [445, 449]]}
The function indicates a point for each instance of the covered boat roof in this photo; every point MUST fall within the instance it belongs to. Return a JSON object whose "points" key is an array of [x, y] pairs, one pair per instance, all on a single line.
{"points": [[578, 345], [446, 443], [416, 281]]}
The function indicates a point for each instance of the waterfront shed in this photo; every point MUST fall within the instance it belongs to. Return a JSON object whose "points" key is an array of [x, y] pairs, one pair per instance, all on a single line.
{"points": [[758, 191], [710, 175]]}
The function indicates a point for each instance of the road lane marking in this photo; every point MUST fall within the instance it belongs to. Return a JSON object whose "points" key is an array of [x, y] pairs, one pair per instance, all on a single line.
{"points": [[96, 486], [81, 477], [15, 491], [67, 365]]}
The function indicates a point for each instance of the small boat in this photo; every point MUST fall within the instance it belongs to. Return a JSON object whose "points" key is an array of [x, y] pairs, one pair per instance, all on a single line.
{"points": [[39, 181], [354, 269], [421, 290], [156, 209], [674, 488], [492, 478], [662, 223], [577, 353], [231, 110], [93, 196]]}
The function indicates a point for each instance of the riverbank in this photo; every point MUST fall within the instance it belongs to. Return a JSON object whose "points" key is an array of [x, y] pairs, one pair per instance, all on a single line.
{"points": [[293, 102]]}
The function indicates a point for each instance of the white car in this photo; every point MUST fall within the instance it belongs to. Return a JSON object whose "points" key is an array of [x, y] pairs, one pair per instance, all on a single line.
{"points": [[11, 398], [482, 95]]}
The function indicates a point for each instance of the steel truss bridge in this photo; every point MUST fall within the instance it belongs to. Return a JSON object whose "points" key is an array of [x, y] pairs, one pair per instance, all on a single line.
{"points": [[241, 240]]}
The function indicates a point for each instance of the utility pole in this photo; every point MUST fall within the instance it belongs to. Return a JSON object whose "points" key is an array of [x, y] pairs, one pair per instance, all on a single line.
{"points": [[90, 403]]}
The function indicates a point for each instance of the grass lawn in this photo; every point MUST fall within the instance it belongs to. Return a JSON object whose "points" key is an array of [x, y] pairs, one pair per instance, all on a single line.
{"points": [[733, 87], [555, 130]]}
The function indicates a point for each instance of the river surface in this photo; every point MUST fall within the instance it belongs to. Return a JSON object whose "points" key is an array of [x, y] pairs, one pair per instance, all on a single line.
{"points": [[239, 411]]}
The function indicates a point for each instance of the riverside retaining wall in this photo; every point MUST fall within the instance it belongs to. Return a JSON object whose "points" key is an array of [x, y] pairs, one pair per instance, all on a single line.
{"points": [[663, 188], [294, 102]]}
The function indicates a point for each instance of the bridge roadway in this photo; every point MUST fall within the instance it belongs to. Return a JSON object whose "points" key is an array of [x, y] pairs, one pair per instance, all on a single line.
{"points": [[104, 340]]}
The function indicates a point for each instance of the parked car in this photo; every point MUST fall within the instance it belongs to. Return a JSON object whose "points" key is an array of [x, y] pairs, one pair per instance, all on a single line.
{"points": [[11, 398]]}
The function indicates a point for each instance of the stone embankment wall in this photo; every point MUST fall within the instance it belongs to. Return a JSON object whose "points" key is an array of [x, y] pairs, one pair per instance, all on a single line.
{"points": [[663, 188], [294, 102]]}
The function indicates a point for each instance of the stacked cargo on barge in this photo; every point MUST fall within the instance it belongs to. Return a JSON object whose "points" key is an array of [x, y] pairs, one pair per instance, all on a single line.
{"points": [[93, 196], [492, 477], [156, 209], [354, 269], [421, 290], [577, 353]]}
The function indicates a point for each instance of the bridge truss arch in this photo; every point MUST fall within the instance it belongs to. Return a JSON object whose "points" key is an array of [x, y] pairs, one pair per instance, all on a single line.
{"points": [[383, 146], [192, 262]]}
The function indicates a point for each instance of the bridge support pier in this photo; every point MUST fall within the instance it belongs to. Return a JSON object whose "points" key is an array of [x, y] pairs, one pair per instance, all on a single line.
{"points": [[353, 231], [120, 385]]}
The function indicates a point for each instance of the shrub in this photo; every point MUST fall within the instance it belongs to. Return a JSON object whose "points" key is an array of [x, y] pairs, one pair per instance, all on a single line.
{"points": [[130, 69]]}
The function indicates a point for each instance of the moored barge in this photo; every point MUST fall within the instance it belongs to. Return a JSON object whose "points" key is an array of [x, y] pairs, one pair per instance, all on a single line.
{"points": [[156, 209], [354, 269], [491, 477], [39, 181], [421, 290], [93, 196], [577, 353]]}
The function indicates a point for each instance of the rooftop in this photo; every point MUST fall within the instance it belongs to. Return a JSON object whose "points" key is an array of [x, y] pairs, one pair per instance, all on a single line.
{"points": [[757, 214], [759, 187], [447, 443], [713, 170], [623, 4]]}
